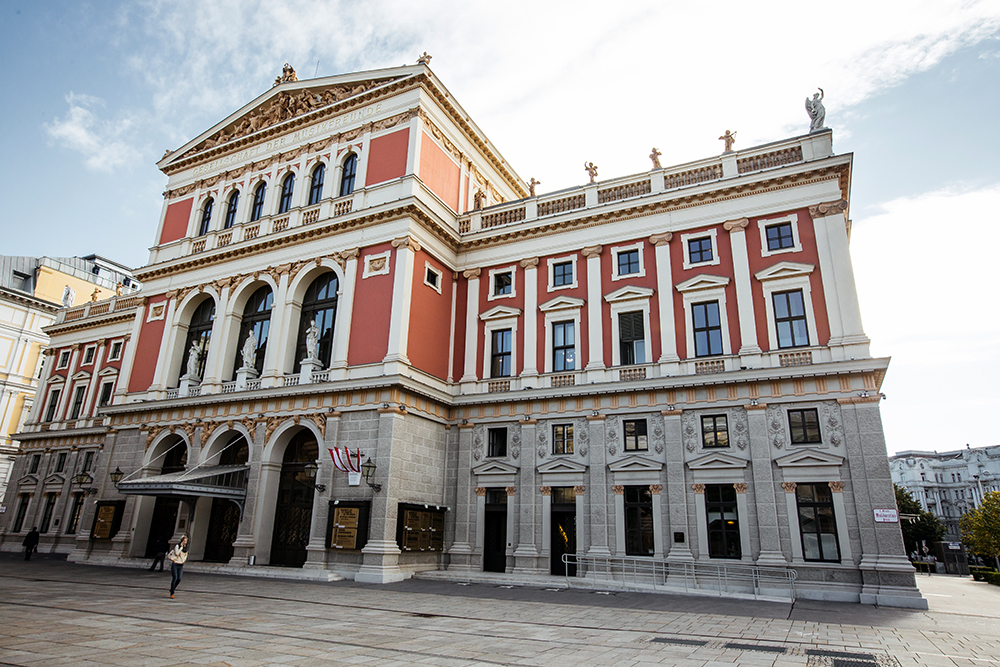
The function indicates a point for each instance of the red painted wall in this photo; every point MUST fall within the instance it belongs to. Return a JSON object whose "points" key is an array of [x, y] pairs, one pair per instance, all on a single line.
{"points": [[439, 172], [372, 311], [808, 255], [544, 295], [485, 305], [723, 268], [648, 281], [387, 157], [147, 350], [175, 222], [430, 319]]}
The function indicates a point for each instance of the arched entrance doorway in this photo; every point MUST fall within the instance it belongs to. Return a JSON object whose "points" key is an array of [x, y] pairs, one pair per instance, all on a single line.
{"points": [[164, 518], [293, 510], [224, 520]]}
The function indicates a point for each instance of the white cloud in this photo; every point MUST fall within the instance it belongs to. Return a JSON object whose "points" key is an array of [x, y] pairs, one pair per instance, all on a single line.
{"points": [[101, 142], [926, 274]]}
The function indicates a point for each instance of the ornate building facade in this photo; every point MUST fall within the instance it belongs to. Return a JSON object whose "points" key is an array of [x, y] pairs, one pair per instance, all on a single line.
{"points": [[665, 367]]}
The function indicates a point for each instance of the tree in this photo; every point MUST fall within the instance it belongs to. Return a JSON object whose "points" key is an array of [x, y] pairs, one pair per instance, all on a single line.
{"points": [[924, 528], [981, 527]]}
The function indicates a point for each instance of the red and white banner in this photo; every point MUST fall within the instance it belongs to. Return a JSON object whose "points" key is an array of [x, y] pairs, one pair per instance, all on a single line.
{"points": [[343, 461]]}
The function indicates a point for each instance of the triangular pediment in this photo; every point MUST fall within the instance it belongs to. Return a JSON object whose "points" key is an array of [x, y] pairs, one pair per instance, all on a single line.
{"points": [[784, 270], [809, 458], [702, 281], [561, 303], [55, 478], [56, 379], [110, 370], [717, 461], [499, 313], [635, 464], [495, 467], [291, 103], [28, 480], [561, 465], [629, 293], [82, 375]]}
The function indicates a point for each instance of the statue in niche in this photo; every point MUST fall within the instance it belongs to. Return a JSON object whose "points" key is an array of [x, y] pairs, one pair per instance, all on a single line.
{"points": [[816, 111], [531, 186], [655, 157], [312, 339], [194, 356], [591, 169], [250, 350], [729, 138]]}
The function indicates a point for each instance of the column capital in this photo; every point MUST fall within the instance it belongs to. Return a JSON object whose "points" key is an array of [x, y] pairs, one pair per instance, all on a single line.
{"points": [[471, 274], [734, 226], [836, 487], [530, 263], [579, 490], [545, 490], [828, 208], [511, 490], [661, 239], [619, 489], [592, 251], [789, 487], [349, 254], [698, 488], [655, 489], [741, 487], [480, 490], [406, 242]]}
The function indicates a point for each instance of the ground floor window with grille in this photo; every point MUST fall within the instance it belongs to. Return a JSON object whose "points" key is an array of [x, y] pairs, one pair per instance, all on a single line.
{"points": [[74, 516], [638, 521], [723, 521], [817, 522]]}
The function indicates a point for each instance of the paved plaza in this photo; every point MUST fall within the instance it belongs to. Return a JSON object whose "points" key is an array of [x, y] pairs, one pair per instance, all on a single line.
{"points": [[57, 613]]}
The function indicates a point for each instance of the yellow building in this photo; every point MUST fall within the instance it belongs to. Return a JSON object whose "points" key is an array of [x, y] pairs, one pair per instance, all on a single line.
{"points": [[32, 290]]}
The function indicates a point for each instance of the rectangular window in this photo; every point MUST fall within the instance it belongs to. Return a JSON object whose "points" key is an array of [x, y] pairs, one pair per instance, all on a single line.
{"points": [[960, 477], [50, 411], [817, 523], [635, 434], [116, 351], [562, 274], [564, 346], [700, 250], [497, 445], [562, 439], [22, 509], [714, 431], [432, 278], [88, 461], [63, 359], [779, 236], [707, 326], [790, 319], [35, 460], [74, 517], [804, 426], [61, 462], [503, 283], [500, 359], [78, 396], [88, 355], [106, 390], [628, 262], [638, 521], [50, 504], [632, 338], [723, 521]]}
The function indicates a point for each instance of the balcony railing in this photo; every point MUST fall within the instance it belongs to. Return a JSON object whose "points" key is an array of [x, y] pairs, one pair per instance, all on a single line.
{"points": [[113, 305], [564, 380], [795, 358], [499, 385], [713, 366], [631, 374]]}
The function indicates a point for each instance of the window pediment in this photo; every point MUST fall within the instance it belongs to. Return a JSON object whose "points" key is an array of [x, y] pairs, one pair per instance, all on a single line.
{"points": [[56, 379], [499, 313], [809, 458], [717, 461], [28, 480], [635, 464], [54, 479], [494, 467], [702, 281], [110, 370], [561, 465], [561, 303], [629, 293], [82, 375], [784, 270]]}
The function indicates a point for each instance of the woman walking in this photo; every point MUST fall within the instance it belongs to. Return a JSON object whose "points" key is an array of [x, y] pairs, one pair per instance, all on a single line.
{"points": [[177, 556]]}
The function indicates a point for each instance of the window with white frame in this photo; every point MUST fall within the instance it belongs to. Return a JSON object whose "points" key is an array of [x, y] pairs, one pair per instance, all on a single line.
{"points": [[627, 261], [88, 355], [502, 283], [50, 410], [106, 394], [706, 322], [63, 359], [562, 439], [562, 333], [116, 351], [707, 327], [501, 349], [564, 346], [700, 248], [630, 325], [78, 395], [634, 435], [500, 342], [432, 277], [562, 272], [779, 235], [791, 321]]}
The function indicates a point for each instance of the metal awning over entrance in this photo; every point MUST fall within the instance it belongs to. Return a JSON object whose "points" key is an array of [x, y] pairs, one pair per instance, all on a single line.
{"points": [[228, 482]]}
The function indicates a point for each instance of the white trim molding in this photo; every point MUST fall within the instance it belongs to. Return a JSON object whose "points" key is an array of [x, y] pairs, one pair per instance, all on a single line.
{"points": [[792, 219], [784, 277], [626, 300], [491, 294], [561, 309], [699, 289], [495, 319], [615, 250], [710, 233], [550, 264]]}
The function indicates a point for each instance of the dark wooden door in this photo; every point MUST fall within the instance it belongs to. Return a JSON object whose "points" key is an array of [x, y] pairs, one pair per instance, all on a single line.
{"points": [[495, 539], [293, 511], [162, 524], [563, 539]]}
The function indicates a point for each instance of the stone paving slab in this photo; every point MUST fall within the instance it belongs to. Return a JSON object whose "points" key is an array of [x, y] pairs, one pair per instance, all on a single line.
{"points": [[59, 613]]}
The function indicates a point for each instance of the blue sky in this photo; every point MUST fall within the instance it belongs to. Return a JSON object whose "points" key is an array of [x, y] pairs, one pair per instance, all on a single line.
{"points": [[97, 91]]}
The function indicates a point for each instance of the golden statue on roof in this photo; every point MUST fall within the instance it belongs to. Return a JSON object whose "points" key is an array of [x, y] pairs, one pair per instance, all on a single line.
{"points": [[287, 74]]}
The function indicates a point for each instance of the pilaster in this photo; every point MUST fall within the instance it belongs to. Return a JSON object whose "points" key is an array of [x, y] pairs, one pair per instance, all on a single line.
{"points": [[595, 328]]}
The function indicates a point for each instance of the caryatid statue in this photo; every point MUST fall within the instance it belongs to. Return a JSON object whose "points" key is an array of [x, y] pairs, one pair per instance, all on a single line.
{"points": [[250, 350], [816, 111], [312, 339]]}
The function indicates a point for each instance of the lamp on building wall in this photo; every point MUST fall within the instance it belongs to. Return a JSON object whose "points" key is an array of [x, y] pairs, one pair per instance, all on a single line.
{"points": [[367, 471], [311, 470], [82, 478], [116, 476]]}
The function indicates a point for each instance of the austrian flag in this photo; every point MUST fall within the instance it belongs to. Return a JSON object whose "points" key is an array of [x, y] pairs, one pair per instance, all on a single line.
{"points": [[342, 459]]}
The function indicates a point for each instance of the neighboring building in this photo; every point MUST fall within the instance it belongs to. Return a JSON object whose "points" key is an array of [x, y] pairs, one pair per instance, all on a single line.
{"points": [[32, 289], [668, 366], [948, 484]]}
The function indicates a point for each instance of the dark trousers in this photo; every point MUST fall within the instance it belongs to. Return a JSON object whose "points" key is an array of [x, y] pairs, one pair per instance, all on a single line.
{"points": [[27, 552], [158, 559], [175, 576]]}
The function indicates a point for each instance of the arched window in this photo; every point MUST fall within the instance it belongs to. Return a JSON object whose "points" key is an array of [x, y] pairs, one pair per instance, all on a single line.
{"points": [[199, 331], [258, 202], [234, 202], [206, 217], [256, 318], [175, 459], [316, 188], [286, 194], [319, 304], [236, 452], [350, 171]]}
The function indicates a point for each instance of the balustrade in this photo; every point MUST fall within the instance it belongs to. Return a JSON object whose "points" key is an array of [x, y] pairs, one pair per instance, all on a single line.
{"points": [[561, 205], [310, 217], [714, 366], [623, 192], [503, 218], [795, 358], [768, 160], [693, 176], [342, 207], [280, 224], [224, 239]]}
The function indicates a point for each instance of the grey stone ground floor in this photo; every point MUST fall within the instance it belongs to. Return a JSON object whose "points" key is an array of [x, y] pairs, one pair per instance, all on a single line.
{"points": [[59, 613]]}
